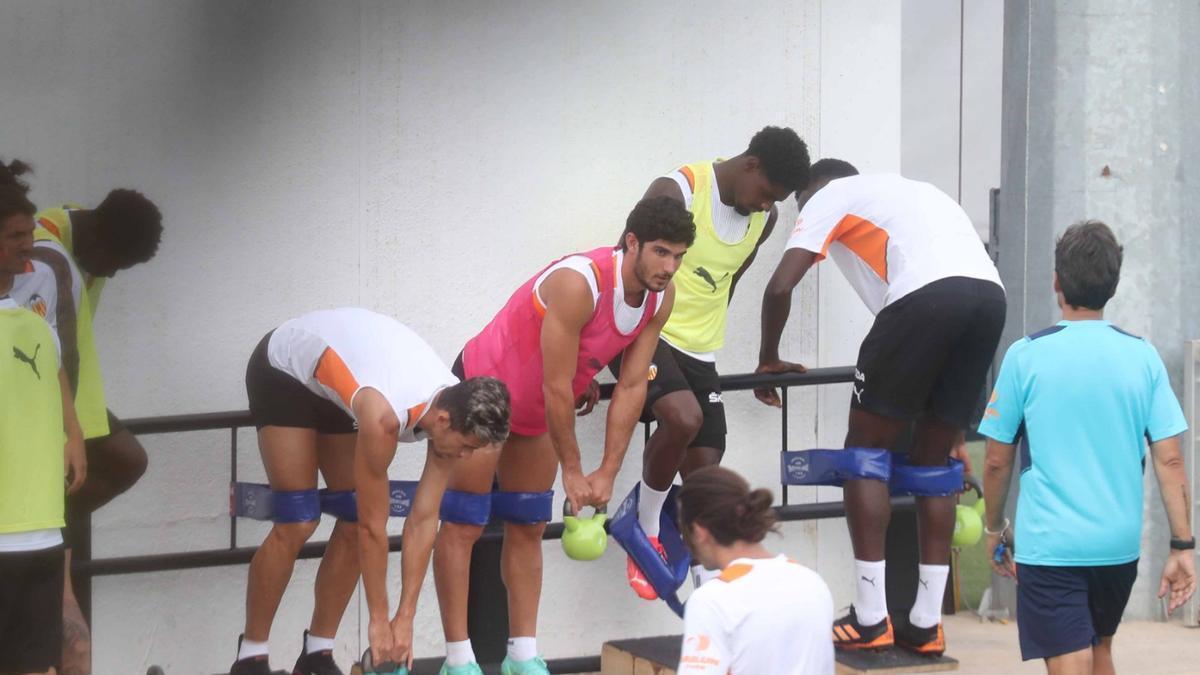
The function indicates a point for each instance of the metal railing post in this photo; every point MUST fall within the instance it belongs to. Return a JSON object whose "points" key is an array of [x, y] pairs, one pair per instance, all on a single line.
{"points": [[233, 431], [783, 446]]}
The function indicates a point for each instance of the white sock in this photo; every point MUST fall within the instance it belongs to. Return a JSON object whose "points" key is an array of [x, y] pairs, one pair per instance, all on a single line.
{"points": [[650, 504], [522, 648], [459, 653], [250, 649], [314, 644], [701, 576], [870, 604], [931, 586]]}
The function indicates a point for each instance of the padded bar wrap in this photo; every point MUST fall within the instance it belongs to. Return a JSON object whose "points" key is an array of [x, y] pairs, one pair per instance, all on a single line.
{"points": [[250, 500], [665, 576], [466, 508], [525, 508], [340, 504], [297, 506], [834, 467], [926, 481], [402, 494]]}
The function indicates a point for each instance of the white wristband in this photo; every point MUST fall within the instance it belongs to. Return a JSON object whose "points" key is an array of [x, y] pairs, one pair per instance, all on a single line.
{"points": [[1000, 531]]}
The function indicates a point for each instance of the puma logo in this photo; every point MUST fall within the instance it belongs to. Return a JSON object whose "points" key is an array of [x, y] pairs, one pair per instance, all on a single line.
{"points": [[595, 363], [32, 361], [708, 277], [869, 581], [858, 394], [924, 583]]}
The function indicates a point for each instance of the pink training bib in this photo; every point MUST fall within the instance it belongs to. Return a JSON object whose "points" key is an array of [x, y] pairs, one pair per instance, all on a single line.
{"points": [[509, 348]]}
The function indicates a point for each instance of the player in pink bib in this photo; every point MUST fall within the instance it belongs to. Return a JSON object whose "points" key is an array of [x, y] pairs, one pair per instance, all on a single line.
{"points": [[547, 343]]}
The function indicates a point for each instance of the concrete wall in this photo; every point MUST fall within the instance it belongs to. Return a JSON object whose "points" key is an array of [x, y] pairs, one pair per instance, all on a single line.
{"points": [[1099, 114], [420, 159]]}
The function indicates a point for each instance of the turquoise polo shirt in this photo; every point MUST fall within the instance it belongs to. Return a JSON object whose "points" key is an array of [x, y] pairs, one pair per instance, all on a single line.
{"points": [[1082, 398]]}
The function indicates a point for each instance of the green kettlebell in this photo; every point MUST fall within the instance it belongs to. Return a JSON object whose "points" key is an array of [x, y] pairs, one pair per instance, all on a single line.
{"points": [[968, 527], [584, 538]]}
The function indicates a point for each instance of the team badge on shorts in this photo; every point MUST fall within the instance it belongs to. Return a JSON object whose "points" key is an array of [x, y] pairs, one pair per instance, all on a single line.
{"points": [[652, 373]]}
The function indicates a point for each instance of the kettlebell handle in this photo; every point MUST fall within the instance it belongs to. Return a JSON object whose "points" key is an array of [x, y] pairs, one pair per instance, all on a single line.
{"points": [[568, 512], [972, 483]]}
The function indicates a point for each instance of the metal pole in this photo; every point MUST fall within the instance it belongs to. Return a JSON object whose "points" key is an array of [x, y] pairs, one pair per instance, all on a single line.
{"points": [[233, 431], [783, 446]]}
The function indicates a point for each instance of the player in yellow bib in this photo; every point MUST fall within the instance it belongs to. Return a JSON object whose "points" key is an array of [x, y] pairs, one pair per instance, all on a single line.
{"points": [[35, 454], [84, 248], [733, 204]]}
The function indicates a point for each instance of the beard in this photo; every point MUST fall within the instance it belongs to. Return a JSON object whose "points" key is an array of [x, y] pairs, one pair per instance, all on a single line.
{"points": [[647, 280]]}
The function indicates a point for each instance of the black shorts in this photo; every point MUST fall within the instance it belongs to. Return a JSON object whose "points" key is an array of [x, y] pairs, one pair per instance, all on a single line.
{"points": [[279, 400], [31, 602], [670, 371], [929, 352], [1065, 609]]}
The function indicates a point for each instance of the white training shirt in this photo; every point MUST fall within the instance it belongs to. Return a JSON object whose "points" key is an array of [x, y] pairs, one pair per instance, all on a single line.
{"points": [[36, 289], [338, 352], [769, 615], [890, 236]]}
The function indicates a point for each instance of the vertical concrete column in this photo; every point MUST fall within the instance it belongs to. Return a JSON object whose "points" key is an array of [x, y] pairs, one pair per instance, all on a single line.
{"points": [[1099, 122]]}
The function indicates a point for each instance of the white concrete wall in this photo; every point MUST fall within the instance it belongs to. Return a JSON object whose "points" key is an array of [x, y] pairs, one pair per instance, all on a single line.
{"points": [[421, 159]]}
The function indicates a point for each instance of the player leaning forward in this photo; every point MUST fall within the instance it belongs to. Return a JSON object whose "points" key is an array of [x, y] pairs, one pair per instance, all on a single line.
{"points": [[552, 336], [916, 261], [335, 391]]}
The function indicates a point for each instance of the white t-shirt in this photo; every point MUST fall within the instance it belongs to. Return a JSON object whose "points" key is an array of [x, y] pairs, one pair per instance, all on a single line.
{"points": [[36, 289], [769, 615], [338, 352], [890, 236]]}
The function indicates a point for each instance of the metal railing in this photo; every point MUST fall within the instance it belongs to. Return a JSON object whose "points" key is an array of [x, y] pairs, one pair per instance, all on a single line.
{"points": [[235, 555]]}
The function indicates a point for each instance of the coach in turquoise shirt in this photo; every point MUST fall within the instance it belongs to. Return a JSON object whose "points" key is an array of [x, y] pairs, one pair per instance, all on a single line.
{"points": [[1081, 399]]}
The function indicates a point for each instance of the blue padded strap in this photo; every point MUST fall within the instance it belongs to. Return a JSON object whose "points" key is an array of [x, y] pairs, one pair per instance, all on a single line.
{"points": [[250, 500], [402, 493], [466, 508], [340, 504], [926, 481], [834, 467], [296, 506], [665, 576], [525, 508]]}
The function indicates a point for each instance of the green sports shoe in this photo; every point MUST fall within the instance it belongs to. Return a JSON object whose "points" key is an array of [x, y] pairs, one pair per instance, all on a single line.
{"points": [[534, 666], [471, 668]]}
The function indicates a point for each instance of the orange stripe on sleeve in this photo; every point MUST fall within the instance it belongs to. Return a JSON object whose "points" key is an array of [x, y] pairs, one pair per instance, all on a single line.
{"points": [[691, 178], [333, 373], [50, 227], [538, 305], [867, 240], [735, 572], [28, 267], [414, 415]]}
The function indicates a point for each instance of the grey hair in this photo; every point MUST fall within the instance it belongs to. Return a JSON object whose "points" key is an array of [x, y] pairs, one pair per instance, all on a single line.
{"points": [[479, 407]]}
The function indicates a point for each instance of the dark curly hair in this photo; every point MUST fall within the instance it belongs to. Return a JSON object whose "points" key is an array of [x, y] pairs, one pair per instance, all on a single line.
{"points": [[662, 218], [829, 169], [722, 501], [14, 192], [782, 155], [130, 225]]}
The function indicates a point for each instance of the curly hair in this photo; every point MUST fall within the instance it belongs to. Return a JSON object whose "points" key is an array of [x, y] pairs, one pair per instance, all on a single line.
{"points": [[829, 169], [782, 155], [14, 192], [656, 218], [479, 407], [131, 226]]}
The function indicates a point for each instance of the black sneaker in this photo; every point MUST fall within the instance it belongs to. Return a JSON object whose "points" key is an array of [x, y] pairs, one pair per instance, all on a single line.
{"points": [[317, 663], [254, 665], [848, 633], [924, 641]]}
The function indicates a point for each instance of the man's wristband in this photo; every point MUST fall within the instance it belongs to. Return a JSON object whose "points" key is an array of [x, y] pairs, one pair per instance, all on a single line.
{"points": [[1178, 544]]}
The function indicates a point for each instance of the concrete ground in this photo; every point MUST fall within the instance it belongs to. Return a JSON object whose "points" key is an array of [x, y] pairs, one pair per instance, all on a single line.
{"points": [[1141, 647]]}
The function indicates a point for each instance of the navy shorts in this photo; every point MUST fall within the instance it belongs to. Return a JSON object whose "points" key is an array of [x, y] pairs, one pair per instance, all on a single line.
{"points": [[1065, 609], [670, 371]]}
